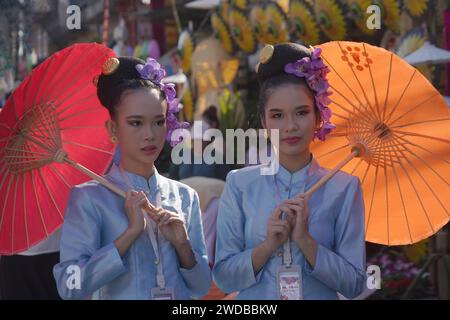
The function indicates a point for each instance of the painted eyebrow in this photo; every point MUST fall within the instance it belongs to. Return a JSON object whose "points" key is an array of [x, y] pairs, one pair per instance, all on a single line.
{"points": [[296, 108], [159, 116]]}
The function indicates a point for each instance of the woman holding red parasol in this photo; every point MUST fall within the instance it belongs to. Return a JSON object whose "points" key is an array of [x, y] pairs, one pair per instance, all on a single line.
{"points": [[156, 255]]}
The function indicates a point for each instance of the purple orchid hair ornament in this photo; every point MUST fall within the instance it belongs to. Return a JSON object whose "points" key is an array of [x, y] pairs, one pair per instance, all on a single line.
{"points": [[315, 73], [153, 72]]}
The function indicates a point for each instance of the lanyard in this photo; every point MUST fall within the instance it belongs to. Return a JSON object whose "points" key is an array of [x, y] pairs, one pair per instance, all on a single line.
{"points": [[287, 254], [152, 234]]}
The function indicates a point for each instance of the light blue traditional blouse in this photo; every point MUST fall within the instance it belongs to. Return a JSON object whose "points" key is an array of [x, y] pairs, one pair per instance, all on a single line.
{"points": [[336, 222], [95, 217]]}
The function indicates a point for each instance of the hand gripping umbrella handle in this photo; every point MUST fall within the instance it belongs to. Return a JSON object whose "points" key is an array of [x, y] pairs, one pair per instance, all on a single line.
{"points": [[104, 182], [107, 184]]}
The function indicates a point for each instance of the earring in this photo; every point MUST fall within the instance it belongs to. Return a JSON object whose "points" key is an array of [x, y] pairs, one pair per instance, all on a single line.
{"points": [[114, 139]]}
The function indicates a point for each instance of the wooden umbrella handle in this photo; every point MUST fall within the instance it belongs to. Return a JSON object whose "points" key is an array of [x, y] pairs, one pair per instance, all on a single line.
{"points": [[96, 177], [111, 186], [355, 153]]}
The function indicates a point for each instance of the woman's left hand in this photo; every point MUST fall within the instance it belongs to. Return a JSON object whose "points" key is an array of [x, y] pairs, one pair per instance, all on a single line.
{"points": [[172, 227], [300, 233]]}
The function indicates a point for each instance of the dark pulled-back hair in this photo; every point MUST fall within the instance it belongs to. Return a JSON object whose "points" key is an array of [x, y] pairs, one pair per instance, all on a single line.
{"points": [[271, 74], [111, 87]]}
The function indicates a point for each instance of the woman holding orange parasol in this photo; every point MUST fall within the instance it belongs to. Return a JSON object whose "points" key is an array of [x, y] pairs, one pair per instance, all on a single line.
{"points": [[118, 252], [272, 244]]}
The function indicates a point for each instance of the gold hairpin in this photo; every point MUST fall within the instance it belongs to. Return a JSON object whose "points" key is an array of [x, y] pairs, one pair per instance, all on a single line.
{"points": [[110, 66], [266, 54]]}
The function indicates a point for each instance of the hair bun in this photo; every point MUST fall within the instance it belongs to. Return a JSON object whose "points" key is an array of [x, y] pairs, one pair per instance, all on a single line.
{"points": [[272, 61], [108, 84]]}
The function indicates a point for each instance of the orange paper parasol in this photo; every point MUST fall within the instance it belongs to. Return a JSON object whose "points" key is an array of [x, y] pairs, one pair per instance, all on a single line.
{"points": [[392, 132]]}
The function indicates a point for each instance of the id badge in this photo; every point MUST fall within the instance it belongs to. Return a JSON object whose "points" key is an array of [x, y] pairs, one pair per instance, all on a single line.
{"points": [[162, 293], [290, 282]]}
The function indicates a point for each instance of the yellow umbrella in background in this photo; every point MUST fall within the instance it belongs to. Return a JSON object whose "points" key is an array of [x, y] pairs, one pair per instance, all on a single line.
{"points": [[360, 15], [257, 18], [302, 23], [416, 8], [241, 30], [185, 49], [277, 24], [330, 18], [222, 32], [212, 70], [391, 14], [212, 67]]}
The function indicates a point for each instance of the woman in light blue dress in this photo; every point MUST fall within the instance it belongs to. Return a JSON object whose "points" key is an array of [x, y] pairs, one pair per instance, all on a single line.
{"points": [[271, 242], [149, 245]]}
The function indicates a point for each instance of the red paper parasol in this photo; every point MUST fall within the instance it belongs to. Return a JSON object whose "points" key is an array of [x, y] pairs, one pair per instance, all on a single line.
{"points": [[52, 123]]}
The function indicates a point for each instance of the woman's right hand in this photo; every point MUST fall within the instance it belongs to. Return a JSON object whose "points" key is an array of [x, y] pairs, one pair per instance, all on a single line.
{"points": [[134, 203], [278, 230]]}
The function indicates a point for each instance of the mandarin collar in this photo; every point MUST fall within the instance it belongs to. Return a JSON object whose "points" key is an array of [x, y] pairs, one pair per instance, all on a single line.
{"points": [[300, 176], [127, 179]]}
